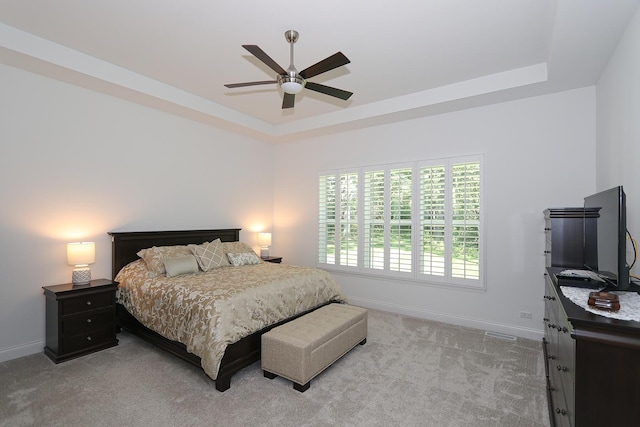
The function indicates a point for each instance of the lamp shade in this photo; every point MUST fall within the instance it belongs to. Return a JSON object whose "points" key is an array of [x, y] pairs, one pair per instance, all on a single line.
{"points": [[264, 239], [81, 253]]}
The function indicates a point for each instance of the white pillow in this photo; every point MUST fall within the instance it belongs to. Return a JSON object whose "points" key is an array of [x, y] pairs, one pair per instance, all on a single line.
{"points": [[244, 258], [180, 266]]}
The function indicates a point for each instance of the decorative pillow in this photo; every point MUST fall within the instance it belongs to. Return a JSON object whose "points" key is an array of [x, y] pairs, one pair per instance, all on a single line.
{"points": [[153, 257], [210, 255], [236, 247], [181, 265], [244, 258]]}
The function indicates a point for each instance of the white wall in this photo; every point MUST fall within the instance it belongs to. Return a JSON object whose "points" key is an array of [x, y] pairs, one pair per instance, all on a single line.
{"points": [[540, 152], [75, 164], [618, 126]]}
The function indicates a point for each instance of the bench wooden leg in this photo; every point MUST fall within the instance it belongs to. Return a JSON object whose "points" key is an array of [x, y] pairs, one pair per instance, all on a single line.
{"points": [[302, 388], [269, 375]]}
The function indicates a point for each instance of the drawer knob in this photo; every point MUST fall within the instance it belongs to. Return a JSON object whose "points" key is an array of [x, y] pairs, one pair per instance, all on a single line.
{"points": [[564, 329], [89, 339], [88, 302], [562, 368], [561, 411], [88, 320], [551, 357]]}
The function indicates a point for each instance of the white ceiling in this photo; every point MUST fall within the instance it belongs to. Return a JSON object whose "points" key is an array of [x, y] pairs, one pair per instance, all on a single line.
{"points": [[409, 58]]}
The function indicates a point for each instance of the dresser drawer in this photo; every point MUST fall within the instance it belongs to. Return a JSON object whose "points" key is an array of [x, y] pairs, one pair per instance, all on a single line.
{"points": [[87, 302], [87, 320], [561, 411], [87, 339]]}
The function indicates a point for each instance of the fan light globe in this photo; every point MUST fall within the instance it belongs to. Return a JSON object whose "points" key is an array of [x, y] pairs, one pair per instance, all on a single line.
{"points": [[291, 87], [291, 84]]}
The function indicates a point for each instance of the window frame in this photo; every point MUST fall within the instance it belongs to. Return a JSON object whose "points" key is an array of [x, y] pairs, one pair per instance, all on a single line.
{"points": [[415, 275]]}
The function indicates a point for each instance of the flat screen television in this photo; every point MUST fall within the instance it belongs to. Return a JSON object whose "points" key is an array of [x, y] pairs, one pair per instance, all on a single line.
{"points": [[605, 244]]}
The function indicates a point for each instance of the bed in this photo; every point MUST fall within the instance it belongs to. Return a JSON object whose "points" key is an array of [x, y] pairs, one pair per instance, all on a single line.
{"points": [[236, 353]]}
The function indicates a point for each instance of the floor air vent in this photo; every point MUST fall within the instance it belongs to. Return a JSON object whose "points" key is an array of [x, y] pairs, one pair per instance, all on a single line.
{"points": [[500, 336]]}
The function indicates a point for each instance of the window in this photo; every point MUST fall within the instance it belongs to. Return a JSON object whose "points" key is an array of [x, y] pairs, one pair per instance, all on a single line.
{"points": [[417, 221]]}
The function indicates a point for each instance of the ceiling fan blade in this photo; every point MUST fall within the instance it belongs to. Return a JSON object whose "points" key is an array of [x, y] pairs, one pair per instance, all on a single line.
{"points": [[288, 100], [262, 56], [264, 82], [334, 61], [328, 90]]}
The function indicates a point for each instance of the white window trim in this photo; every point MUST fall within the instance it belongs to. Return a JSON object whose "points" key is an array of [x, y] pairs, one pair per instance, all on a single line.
{"points": [[414, 276]]}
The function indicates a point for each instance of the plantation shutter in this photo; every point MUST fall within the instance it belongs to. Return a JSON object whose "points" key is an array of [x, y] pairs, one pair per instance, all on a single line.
{"points": [[400, 220], [432, 220], [348, 239], [374, 219], [465, 242], [327, 219]]}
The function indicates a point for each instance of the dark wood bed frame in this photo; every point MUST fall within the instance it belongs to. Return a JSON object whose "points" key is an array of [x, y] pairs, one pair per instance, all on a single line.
{"points": [[125, 246]]}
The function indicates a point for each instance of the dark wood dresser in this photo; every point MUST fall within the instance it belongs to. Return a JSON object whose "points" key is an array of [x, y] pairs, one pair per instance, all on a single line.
{"points": [[80, 319], [592, 364]]}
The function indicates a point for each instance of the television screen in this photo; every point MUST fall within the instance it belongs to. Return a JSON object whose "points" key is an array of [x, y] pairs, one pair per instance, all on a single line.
{"points": [[605, 244]]}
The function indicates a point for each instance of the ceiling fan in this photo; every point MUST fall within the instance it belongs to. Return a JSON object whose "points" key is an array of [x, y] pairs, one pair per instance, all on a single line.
{"points": [[290, 80]]}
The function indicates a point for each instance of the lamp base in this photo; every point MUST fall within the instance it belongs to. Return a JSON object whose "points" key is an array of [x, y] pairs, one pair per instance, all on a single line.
{"points": [[264, 253], [81, 276]]}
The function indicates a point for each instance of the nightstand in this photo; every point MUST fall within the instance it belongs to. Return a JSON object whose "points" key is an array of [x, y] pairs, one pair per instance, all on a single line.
{"points": [[80, 319], [273, 259]]}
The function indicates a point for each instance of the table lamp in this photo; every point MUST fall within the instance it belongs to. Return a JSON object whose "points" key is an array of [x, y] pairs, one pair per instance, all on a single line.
{"points": [[80, 255], [264, 240]]}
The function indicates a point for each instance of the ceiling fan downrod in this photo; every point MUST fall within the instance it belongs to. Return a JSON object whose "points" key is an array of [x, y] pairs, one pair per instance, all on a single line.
{"points": [[292, 83]]}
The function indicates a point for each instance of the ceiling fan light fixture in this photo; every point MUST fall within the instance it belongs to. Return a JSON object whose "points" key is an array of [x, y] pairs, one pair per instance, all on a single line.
{"points": [[291, 85]]}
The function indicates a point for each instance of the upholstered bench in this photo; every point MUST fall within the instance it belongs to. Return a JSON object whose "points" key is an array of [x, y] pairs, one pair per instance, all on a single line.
{"points": [[301, 349]]}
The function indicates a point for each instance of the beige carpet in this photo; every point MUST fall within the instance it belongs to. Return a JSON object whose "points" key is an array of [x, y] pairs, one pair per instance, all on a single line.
{"points": [[411, 372]]}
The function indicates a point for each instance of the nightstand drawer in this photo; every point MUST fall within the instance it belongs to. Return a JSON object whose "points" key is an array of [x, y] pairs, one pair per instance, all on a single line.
{"points": [[87, 302], [87, 320], [88, 339]]}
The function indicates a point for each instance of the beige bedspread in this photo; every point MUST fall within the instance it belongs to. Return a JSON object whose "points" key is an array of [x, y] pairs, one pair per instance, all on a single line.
{"points": [[208, 311]]}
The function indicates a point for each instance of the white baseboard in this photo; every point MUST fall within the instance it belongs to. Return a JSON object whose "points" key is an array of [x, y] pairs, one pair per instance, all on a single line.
{"points": [[483, 325], [21, 350]]}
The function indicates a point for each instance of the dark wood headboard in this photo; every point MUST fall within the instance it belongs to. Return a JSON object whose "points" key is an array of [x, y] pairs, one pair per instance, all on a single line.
{"points": [[126, 245]]}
